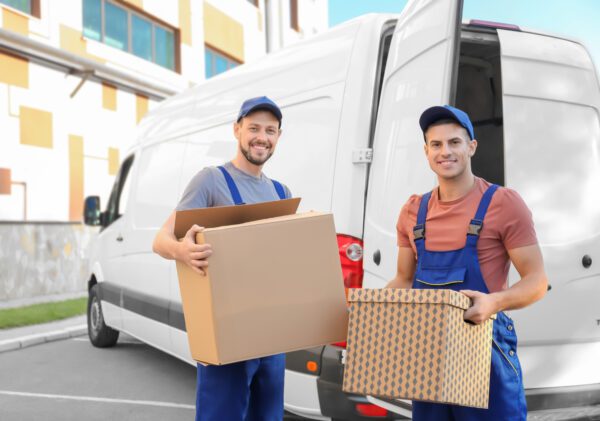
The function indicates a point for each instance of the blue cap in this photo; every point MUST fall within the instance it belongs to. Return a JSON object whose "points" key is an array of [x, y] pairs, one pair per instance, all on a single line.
{"points": [[433, 114], [259, 103]]}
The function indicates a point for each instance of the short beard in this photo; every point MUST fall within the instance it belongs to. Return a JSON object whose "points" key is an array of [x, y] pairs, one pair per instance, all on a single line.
{"points": [[252, 160]]}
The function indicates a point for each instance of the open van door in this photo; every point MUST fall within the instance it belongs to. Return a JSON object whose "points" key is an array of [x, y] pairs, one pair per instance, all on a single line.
{"points": [[420, 72], [551, 104]]}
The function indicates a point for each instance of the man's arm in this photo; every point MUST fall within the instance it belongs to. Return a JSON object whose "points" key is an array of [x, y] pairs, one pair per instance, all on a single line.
{"points": [[406, 269], [187, 251], [533, 286]]}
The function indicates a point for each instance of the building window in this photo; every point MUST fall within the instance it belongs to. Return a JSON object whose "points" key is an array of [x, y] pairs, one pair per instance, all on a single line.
{"points": [[31, 7], [294, 15], [216, 62], [120, 27]]}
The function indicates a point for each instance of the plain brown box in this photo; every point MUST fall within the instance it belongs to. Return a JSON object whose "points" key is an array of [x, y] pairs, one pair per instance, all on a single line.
{"points": [[415, 344], [273, 285]]}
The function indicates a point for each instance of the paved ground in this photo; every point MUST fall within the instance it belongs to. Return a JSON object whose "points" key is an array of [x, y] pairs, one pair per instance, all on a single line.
{"points": [[66, 379], [71, 380]]}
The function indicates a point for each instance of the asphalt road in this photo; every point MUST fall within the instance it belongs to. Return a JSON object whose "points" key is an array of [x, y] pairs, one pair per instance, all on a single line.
{"points": [[72, 380]]}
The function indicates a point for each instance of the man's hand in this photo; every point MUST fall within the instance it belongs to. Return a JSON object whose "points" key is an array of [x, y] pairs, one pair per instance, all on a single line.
{"points": [[192, 254], [482, 306]]}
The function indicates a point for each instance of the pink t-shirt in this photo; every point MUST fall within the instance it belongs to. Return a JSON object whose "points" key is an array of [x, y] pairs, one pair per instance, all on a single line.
{"points": [[507, 225]]}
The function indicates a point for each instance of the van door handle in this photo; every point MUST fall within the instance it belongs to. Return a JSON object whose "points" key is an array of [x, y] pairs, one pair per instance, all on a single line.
{"points": [[120, 238], [377, 257]]}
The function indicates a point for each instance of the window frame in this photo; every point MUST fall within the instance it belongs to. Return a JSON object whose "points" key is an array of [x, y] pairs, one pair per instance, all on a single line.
{"points": [[34, 8], [155, 22], [227, 57], [294, 22]]}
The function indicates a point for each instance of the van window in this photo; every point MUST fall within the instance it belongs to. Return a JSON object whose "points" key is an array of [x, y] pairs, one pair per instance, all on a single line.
{"points": [[119, 194]]}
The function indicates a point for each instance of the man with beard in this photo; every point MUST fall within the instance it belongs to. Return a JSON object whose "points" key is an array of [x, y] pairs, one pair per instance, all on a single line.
{"points": [[253, 389]]}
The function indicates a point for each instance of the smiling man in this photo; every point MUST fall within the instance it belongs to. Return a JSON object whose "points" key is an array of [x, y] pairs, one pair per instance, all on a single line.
{"points": [[248, 390], [473, 230]]}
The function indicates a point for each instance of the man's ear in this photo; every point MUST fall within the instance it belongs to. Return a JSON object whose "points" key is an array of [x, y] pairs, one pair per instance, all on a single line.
{"points": [[472, 147], [236, 129]]}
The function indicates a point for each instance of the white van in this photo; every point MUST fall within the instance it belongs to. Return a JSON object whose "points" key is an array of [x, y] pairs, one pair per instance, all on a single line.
{"points": [[351, 144]]}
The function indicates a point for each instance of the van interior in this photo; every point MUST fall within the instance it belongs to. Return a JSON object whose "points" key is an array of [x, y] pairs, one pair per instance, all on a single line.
{"points": [[479, 94]]}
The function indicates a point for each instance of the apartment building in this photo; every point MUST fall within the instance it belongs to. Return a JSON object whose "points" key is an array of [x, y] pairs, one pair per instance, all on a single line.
{"points": [[76, 76]]}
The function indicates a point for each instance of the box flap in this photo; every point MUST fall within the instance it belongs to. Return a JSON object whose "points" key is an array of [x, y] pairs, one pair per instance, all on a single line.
{"points": [[418, 296], [231, 215]]}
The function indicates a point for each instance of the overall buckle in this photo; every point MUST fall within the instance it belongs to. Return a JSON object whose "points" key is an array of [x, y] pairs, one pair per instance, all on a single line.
{"points": [[419, 231], [475, 227]]}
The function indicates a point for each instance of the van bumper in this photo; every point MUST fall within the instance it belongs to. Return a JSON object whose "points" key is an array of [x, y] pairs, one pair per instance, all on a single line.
{"points": [[333, 402]]}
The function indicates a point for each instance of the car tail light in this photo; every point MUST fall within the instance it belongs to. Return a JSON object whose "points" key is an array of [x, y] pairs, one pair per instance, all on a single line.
{"points": [[370, 410], [351, 255]]}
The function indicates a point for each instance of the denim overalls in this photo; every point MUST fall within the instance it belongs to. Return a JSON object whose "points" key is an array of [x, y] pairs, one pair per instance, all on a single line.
{"points": [[458, 270], [249, 390]]}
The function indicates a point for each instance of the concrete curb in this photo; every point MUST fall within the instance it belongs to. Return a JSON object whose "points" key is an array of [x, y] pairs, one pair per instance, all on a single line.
{"points": [[41, 338]]}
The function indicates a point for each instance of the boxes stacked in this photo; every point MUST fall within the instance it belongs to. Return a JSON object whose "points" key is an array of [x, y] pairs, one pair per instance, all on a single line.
{"points": [[415, 344]]}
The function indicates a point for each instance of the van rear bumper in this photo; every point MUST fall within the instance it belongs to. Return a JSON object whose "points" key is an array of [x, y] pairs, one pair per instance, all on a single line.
{"points": [[332, 401]]}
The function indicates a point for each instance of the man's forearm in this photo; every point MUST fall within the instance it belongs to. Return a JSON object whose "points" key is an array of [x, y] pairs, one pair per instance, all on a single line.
{"points": [[165, 245], [399, 282], [528, 290]]}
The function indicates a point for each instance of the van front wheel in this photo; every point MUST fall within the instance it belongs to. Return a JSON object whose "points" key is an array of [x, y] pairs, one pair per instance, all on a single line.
{"points": [[100, 335]]}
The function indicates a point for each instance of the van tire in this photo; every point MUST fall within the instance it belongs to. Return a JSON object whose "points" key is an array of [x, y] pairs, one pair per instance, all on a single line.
{"points": [[100, 335]]}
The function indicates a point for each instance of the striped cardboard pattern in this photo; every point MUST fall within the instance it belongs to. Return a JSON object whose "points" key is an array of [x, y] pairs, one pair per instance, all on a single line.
{"points": [[414, 344]]}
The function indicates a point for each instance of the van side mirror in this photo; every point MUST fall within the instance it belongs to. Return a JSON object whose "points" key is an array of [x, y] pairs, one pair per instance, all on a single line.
{"points": [[91, 211]]}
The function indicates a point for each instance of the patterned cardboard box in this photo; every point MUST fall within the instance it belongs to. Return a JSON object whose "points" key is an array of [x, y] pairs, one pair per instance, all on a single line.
{"points": [[414, 344]]}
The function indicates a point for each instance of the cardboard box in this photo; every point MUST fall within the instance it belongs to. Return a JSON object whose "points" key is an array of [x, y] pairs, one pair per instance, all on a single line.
{"points": [[273, 284], [415, 344]]}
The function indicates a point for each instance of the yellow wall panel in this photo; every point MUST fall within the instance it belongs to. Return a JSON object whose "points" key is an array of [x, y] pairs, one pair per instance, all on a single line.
{"points": [[72, 40], [15, 22], [185, 21], [109, 97], [113, 161], [36, 127], [75, 178], [223, 33], [141, 107], [14, 70]]}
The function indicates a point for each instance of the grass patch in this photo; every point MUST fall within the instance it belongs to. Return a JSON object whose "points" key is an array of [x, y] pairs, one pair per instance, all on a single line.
{"points": [[42, 313]]}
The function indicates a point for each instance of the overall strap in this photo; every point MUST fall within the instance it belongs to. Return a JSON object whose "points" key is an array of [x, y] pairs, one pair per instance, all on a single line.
{"points": [[419, 229], [235, 193], [279, 189], [476, 224]]}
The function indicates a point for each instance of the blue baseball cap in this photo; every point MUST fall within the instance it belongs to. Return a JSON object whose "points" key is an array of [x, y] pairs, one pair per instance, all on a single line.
{"points": [[433, 114], [259, 103]]}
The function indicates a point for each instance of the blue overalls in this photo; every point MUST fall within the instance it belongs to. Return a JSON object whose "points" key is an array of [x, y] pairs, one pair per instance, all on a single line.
{"points": [[446, 269], [249, 390]]}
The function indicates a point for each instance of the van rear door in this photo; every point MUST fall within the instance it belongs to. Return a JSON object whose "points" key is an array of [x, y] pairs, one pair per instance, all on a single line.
{"points": [[551, 102], [420, 72]]}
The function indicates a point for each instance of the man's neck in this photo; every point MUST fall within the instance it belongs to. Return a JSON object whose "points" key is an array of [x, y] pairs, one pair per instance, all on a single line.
{"points": [[455, 188], [242, 164]]}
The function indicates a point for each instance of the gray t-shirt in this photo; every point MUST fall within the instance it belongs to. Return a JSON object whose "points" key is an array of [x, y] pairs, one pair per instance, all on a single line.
{"points": [[208, 188]]}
